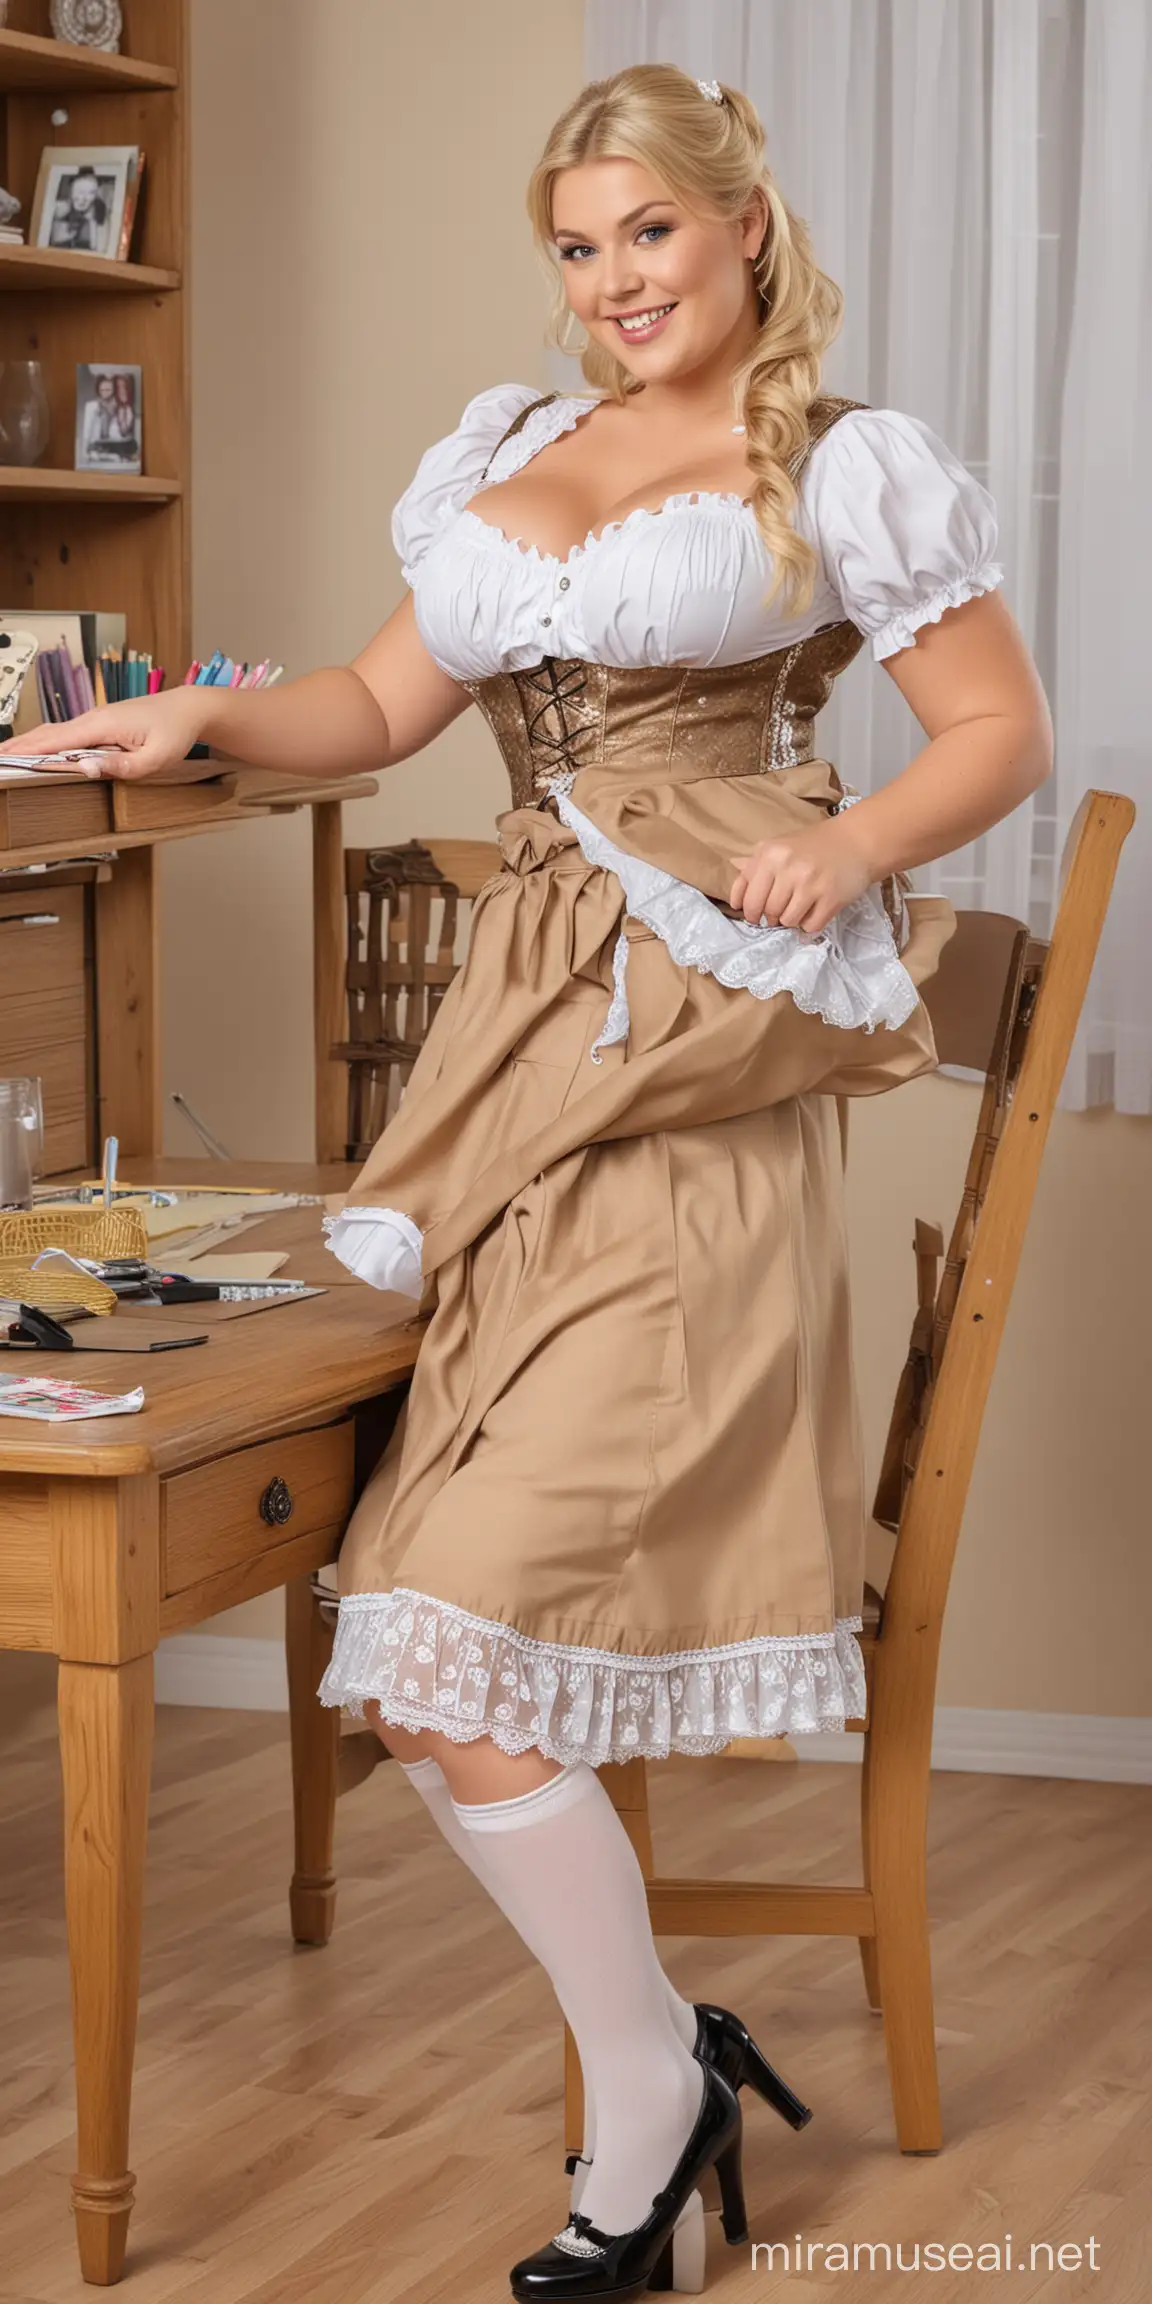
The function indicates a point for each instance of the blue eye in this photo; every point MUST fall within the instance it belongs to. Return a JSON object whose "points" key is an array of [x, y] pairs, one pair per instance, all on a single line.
{"points": [[584, 247]]}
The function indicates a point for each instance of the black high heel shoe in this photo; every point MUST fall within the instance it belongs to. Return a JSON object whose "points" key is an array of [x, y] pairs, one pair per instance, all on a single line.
{"points": [[582, 2263], [727, 2045]]}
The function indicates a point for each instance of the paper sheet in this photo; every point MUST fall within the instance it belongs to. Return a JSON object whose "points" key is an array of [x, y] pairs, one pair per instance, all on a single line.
{"points": [[208, 1265]]}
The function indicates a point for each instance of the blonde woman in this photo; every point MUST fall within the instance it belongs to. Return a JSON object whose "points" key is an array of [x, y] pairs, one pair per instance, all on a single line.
{"points": [[623, 1511]]}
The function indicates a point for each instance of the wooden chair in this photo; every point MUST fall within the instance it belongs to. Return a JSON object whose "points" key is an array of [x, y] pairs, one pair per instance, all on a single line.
{"points": [[403, 920], [1005, 1004]]}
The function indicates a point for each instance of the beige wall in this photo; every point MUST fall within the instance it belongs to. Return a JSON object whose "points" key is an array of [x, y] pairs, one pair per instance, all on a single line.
{"points": [[362, 266]]}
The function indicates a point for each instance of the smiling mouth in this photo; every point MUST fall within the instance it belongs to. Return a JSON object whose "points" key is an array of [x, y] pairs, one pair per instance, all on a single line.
{"points": [[642, 323]]}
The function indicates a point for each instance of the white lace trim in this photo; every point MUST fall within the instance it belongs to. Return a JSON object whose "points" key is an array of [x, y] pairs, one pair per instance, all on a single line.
{"points": [[901, 630], [538, 431], [617, 1021], [850, 972], [380, 1245], [431, 1665]]}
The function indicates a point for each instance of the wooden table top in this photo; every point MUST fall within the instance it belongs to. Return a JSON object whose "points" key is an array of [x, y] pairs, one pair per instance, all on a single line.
{"points": [[273, 1369]]}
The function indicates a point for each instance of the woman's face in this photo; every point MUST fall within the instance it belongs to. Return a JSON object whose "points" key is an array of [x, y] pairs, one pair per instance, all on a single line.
{"points": [[661, 287], [84, 192], [105, 390]]}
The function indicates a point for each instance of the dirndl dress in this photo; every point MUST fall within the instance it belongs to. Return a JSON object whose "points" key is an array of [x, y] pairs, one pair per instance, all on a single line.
{"points": [[622, 1511]]}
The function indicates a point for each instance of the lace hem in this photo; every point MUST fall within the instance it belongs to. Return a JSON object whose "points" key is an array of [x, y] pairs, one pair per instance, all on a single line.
{"points": [[849, 973], [431, 1665], [900, 631], [380, 1245]]}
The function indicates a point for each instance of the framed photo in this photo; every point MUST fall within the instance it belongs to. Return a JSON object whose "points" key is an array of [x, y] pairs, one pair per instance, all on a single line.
{"points": [[109, 418], [82, 195]]}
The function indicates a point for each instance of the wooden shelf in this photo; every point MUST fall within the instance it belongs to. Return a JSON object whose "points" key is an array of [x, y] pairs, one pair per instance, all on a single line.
{"points": [[27, 62], [25, 268], [39, 484]]}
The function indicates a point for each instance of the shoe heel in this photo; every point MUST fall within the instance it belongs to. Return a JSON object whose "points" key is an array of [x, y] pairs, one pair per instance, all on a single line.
{"points": [[757, 2073], [680, 2270], [733, 2214]]}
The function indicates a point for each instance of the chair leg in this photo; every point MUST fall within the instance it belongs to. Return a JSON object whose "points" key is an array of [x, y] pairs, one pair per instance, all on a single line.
{"points": [[573, 2096], [896, 1823], [871, 1967], [868, 1959], [315, 1738]]}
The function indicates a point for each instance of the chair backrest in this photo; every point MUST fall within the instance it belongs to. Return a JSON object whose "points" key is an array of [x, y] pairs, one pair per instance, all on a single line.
{"points": [[1007, 1004], [407, 909]]}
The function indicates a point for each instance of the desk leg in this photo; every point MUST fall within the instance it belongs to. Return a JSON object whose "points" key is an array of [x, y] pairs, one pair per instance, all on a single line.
{"points": [[106, 1719], [315, 1750]]}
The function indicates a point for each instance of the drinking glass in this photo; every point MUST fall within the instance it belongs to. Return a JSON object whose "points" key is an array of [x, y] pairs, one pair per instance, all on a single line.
{"points": [[21, 1140], [23, 412]]}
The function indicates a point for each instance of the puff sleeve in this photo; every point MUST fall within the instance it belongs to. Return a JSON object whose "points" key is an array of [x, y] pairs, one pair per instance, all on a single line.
{"points": [[903, 528], [450, 471]]}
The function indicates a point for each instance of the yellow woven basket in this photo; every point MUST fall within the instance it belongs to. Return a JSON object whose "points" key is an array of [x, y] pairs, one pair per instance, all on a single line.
{"points": [[91, 1232]]}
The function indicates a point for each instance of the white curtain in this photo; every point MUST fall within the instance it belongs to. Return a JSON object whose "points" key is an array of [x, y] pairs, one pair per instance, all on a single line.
{"points": [[976, 177]]}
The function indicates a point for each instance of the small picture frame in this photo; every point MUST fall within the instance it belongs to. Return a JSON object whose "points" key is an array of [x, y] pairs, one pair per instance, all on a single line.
{"points": [[83, 194], [109, 417]]}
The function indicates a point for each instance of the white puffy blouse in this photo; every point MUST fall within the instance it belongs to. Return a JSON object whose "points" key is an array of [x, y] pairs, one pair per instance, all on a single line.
{"points": [[902, 529]]}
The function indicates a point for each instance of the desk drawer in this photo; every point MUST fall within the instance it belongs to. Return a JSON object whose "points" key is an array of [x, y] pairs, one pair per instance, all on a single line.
{"points": [[246, 1504]]}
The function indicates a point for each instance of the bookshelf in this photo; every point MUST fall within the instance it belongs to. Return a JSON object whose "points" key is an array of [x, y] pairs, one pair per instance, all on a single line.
{"points": [[29, 60], [84, 539], [56, 269], [38, 483]]}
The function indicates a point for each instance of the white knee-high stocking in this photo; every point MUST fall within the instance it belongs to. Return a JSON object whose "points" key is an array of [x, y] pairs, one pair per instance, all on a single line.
{"points": [[562, 1868], [428, 1779]]}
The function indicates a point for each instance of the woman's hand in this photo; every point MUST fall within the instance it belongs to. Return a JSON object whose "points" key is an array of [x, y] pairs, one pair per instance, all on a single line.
{"points": [[803, 878], [137, 739]]}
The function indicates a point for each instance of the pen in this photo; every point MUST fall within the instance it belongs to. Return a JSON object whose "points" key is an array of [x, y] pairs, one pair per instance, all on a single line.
{"points": [[273, 677]]}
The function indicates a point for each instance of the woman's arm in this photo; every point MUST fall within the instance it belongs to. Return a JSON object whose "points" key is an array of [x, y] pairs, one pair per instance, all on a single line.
{"points": [[975, 690], [389, 703]]}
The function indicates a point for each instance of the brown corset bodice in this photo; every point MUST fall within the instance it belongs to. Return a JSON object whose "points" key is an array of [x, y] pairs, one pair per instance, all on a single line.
{"points": [[681, 723]]}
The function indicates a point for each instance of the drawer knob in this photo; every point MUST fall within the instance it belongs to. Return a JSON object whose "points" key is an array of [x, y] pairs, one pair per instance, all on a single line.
{"points": [[277, 1504]]}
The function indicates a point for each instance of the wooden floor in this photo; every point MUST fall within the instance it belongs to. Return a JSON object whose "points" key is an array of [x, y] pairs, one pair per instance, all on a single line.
{"points": [[382, 2120]]}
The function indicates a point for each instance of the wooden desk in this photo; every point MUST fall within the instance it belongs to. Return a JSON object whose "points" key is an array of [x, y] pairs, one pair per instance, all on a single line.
{"points": [[79, 939], [113, 1534]]}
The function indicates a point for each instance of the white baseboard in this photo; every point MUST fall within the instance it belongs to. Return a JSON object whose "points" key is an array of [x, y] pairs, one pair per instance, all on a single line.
{"points": [[227, 1675], [1090, 1746], [249, 1676]]}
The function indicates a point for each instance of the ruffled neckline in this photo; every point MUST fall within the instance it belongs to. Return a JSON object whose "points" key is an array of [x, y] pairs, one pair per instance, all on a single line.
{"points": [[545, 425], [706, 500]]}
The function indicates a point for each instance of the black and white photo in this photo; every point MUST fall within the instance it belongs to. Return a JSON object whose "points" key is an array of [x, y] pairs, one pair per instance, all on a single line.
{"points": [[81, 196]]}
